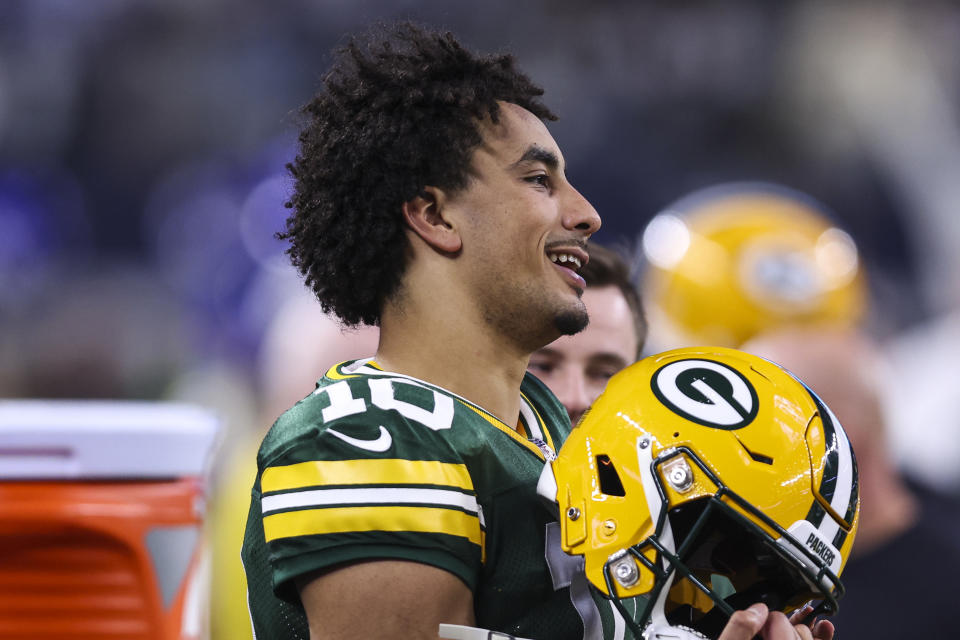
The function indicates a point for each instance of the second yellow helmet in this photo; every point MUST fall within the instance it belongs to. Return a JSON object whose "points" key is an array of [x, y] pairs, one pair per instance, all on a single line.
{"points": [[729, 261]]}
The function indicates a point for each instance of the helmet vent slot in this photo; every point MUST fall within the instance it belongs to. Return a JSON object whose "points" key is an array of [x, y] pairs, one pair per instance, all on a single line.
{"points": [[758, 457], [609, 478]]}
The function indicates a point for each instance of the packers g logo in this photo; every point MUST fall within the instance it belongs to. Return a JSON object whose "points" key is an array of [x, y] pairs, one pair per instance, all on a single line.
{"points": [[706, 392]]}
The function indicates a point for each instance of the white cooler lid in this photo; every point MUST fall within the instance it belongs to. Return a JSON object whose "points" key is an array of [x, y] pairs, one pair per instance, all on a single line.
{"points": [[57, 439]]}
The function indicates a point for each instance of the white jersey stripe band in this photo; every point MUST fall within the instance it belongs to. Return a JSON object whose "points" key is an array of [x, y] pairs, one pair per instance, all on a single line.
{"points": [[530, 420], [368, 496]]}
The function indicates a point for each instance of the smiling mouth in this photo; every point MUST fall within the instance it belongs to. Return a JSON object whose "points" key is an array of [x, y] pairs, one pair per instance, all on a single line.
{"points": [[569, 261], [569, 256]]}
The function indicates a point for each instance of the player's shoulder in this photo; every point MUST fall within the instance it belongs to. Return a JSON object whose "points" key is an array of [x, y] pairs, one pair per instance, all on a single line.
{"points": [[359, 404], [307, 417]]}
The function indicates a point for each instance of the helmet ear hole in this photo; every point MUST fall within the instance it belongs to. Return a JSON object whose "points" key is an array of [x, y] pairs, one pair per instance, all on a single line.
{"points": [[610, 483]]}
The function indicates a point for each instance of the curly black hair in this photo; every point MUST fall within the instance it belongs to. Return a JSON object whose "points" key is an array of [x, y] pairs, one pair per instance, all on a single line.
{"points": [[399, 110]]}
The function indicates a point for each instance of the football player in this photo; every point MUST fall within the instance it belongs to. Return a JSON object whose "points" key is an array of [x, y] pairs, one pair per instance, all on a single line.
{"points": [[431, 200]]}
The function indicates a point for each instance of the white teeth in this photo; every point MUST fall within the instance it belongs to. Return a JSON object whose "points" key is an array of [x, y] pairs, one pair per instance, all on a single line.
{"points": [[565, 257]]}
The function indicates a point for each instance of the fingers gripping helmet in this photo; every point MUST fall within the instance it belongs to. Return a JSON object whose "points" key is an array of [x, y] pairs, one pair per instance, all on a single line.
{"points": [[707, 479], [729, 261]]}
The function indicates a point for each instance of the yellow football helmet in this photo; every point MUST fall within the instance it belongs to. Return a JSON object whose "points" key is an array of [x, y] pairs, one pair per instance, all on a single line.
{"points": [[729, 261], [706, 479]]}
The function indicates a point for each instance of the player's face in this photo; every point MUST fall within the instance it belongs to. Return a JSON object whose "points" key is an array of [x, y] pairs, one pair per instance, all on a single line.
{"points": [[524, 229], [576, 368]]}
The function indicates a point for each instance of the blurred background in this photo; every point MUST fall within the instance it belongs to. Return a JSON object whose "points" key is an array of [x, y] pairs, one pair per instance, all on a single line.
{"points": [[143, 144]]}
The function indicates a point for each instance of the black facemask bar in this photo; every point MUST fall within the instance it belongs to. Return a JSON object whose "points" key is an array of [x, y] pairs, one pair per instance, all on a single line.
{"points": [[718, 501]]}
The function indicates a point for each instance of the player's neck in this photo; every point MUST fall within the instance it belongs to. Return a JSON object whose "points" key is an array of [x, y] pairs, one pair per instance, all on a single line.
{"points": [[455, 352]]}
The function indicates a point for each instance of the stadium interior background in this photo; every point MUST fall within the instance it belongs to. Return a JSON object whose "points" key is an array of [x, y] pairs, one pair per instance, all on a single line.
{"points": [[143, 144]]}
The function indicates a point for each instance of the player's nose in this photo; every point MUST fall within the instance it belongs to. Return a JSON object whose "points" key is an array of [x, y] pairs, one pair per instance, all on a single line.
{"points": [[578, 213]]}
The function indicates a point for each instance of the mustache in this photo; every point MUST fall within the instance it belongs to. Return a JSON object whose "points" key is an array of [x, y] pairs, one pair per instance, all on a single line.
{"points": [[578, 243]]}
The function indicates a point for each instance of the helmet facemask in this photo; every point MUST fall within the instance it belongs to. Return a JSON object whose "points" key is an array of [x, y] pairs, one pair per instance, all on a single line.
{"points": [[714, 561]]}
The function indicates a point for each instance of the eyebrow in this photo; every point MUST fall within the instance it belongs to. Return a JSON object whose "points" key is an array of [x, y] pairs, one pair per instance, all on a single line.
{"points": [[537, 153], [605, 357]]}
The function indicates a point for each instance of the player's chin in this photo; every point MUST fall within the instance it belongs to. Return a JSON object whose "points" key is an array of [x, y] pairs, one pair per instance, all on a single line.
{"points": [[572, 320]]}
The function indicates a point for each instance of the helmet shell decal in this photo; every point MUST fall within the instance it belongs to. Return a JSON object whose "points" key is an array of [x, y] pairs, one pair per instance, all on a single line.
{"points": [[706, 392]]}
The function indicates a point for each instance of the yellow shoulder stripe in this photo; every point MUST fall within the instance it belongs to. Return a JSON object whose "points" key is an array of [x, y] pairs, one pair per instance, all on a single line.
{"points": [[360, 519], [336, 371], [365, 471]]}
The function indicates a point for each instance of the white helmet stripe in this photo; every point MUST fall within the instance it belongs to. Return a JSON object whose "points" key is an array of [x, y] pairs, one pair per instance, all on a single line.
{"points": [[838, 484], [650, 490], [844, 495]]}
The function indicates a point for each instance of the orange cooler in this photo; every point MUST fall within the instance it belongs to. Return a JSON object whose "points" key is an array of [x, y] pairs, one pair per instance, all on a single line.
{"points": [[101, 513]]}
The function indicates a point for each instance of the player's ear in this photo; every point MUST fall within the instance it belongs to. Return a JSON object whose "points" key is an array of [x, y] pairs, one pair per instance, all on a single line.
{"points": [[424, 214]]}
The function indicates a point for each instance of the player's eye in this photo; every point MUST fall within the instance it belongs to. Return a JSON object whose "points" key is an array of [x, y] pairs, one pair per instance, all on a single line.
{"points": [[541, 179]]}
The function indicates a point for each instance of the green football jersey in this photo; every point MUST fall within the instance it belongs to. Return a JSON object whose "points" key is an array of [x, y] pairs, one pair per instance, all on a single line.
{"points": [[377, 465]]}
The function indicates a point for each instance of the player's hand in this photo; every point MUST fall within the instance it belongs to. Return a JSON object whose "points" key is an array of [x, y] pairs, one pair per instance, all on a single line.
{"points": [[772, 625], [821, 629]]}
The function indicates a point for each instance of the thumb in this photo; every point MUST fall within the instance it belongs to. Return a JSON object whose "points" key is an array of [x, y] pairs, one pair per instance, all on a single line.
{"points": [[745, 624]]}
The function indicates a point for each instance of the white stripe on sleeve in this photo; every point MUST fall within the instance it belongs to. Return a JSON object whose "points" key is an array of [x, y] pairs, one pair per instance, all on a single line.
{"points": [[368, 496]]}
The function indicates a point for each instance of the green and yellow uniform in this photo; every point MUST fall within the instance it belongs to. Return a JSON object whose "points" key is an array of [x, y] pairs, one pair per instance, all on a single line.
{"points": [[377, 465]]}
